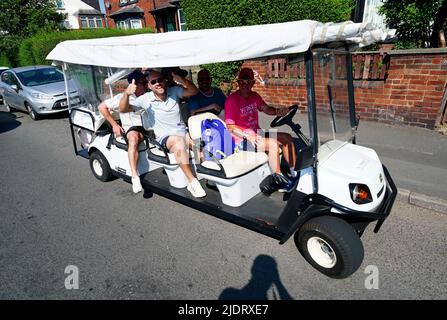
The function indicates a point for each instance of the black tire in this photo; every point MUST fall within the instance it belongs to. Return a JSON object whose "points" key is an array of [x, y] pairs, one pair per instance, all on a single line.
{"points": [[100, 166], [32, 113], [7, 106], [334, 244]]}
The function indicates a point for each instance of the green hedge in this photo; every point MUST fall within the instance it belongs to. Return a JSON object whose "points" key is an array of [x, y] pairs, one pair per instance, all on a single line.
{"points": [[208, 14], [4, 61], [34, 50]]}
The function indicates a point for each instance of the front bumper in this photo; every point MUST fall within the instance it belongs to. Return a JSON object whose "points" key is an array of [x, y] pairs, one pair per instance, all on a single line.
{"points": [[52, 106], [380, 214]]}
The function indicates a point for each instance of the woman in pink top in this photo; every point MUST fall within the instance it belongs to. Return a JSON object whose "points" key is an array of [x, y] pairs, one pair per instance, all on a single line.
{"points": [[241, 117]]}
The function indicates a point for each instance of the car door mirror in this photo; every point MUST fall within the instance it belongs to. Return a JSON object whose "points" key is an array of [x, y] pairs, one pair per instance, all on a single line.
{"points": [[15, 87]]}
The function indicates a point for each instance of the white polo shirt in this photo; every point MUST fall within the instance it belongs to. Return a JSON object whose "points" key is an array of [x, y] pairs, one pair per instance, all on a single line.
{"points": [[163, 115]]}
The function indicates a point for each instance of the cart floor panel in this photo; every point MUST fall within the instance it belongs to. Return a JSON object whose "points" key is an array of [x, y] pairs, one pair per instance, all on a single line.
{"points": [[260, 208]]}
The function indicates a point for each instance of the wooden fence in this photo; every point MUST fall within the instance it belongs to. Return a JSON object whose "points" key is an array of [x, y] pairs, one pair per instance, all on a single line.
{"points": [[365, 66]]}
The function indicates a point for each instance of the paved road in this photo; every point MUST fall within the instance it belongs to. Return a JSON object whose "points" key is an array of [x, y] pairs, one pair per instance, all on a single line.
{"points": [[54, 213]]}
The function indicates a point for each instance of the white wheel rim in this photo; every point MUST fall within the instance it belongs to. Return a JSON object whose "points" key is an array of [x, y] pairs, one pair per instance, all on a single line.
{"points": [[321, 252], [97, 167]]}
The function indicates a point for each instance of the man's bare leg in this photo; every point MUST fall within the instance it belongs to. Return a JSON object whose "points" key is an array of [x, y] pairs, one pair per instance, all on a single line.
{"points": [[180, 147], [133, 139]]}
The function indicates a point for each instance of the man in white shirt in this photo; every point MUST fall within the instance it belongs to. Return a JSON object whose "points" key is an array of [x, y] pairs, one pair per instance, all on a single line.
{"points": [[132, 129], [163, 108]]}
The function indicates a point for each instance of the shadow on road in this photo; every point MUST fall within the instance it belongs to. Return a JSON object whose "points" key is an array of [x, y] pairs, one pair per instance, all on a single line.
{"points": [[8, 122], [264, 278]]}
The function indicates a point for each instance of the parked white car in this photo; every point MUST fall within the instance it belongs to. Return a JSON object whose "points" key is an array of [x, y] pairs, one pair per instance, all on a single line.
{"points": [[38, 90]]}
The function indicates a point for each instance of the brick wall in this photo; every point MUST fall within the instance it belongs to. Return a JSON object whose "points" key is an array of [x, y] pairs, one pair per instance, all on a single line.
{"points": [[410, 93]]}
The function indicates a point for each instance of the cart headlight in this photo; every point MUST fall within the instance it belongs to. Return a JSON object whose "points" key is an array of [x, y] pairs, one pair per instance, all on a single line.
{"points": [[41, 96], [360, 193]]}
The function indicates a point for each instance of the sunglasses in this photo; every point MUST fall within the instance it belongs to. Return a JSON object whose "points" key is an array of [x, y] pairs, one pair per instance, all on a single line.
{"points": [[158, 80], [245, 81]]}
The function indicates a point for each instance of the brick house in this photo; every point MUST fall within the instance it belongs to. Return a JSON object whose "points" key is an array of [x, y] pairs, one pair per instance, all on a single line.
{"points": [[161, 15], [81, 14]]}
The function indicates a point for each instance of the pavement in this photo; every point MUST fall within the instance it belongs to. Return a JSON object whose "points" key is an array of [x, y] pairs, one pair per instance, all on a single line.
{"points": [[415, 157]]}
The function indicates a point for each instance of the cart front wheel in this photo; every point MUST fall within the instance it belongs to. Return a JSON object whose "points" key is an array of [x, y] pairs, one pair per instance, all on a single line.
{"points": [[100, 166], [331, 246]]}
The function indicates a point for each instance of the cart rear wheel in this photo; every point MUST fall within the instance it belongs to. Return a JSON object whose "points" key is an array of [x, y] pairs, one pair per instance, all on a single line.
{"points": [[100, 166], [331, 246]]}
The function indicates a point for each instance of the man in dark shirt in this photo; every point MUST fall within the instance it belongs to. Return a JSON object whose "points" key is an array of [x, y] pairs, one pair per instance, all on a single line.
{"points": [[209, 99]]}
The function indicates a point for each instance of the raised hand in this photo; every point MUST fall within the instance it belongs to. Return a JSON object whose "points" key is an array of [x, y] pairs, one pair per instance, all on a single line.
{"points": [[131, 88], [177, 79]]}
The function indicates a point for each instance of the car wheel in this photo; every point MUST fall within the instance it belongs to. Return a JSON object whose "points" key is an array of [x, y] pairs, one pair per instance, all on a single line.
{"points": [[7, 106], [32, 113], [331, 246], [100, 166]]}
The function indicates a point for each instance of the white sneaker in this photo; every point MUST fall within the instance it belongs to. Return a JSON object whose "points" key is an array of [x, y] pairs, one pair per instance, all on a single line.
{"points": [[196, 189], [136, 185]]}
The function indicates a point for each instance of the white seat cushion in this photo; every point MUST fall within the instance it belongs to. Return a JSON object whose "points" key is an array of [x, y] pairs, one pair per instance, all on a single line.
{"points": [[171, 156], [195, 124], [238, 163], [160, 153], [141, 146]]}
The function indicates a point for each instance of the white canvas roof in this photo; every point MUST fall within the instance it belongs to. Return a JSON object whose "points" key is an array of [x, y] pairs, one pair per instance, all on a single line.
{"points": [[197, 47]]}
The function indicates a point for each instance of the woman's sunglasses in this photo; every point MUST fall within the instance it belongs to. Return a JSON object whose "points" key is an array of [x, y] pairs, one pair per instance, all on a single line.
{"points": [[245, 81], [158, 80]]}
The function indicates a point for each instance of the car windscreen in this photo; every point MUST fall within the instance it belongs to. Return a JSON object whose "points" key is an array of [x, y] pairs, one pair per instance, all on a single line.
{"points": [[37, 77]]}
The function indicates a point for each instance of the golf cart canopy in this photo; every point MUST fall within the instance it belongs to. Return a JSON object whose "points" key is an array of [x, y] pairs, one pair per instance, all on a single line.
{"points": [[188, 48]]}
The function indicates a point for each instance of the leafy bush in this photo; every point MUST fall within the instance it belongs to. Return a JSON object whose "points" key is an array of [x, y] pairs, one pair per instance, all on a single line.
{"points": [[4, 61], [209, 14], [34, 50], [22, 19], [414, 20]]}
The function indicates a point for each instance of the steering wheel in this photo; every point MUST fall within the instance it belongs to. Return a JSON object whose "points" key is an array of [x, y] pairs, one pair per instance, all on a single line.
{"points": [[279, 121]]}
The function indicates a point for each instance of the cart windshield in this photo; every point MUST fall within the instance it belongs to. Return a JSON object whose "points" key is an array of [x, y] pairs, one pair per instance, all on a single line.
{"points": [[332, 95], [92, 83]]}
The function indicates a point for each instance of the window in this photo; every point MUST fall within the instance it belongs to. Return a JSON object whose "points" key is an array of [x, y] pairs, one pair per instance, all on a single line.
{"points": [[60, 4], [181, 20], [136, 24], [129, 24], [123, 2], [91, 22], [121, 24], [6, 77], [84, 24], [98, 22]]}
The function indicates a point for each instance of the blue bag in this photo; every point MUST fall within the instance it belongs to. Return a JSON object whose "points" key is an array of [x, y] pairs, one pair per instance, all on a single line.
{"points": [[218, 140]]}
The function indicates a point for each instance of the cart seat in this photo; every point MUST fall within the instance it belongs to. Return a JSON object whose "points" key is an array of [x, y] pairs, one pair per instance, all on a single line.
{"points": [[162, 156], [233, 166], [120, 143]]}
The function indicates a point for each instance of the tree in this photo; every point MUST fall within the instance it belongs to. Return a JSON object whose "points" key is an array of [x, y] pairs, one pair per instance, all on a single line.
{"points": [[208, 14], [419, 23], [20, 19]]}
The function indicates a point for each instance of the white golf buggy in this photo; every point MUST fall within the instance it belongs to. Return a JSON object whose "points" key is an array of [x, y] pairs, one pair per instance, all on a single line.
{"points": [[342, 186]]}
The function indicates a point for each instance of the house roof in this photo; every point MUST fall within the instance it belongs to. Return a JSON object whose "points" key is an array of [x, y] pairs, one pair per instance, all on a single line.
{"points": [[163, 8], [128, 9], [89, 12], [93, 3]]}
